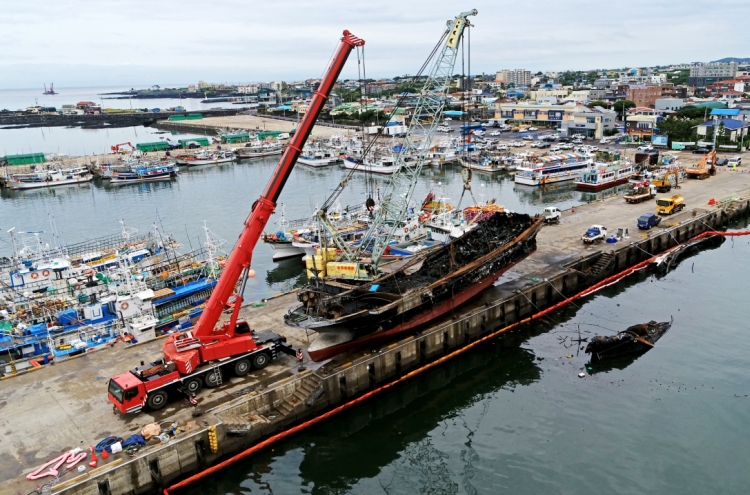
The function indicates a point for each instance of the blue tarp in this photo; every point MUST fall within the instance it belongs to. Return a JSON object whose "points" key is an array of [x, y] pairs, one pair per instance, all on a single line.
{"points": [[453, 113]]}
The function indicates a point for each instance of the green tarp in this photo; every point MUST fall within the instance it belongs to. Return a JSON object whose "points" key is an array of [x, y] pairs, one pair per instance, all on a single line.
{"points": [[25, 159], [155, 146], [203, 141]]}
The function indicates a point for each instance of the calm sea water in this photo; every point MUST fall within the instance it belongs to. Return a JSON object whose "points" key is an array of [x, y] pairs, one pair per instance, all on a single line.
{"points": [[222, 196], [513, 416], [75, 141]]}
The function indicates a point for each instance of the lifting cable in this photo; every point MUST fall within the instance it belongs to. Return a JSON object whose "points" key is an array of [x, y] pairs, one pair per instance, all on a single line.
{"points": [[337, 192]]}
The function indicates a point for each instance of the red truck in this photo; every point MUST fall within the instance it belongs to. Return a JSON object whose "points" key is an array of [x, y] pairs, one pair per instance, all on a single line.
{"points": [[200, 356]]}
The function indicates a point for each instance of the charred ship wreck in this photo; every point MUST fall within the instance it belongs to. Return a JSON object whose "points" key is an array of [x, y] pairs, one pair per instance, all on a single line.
{"points": [[350, 314]]}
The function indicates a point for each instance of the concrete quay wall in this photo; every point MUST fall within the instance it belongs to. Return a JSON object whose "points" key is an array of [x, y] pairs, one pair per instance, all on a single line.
{"points": [[245, 421]]}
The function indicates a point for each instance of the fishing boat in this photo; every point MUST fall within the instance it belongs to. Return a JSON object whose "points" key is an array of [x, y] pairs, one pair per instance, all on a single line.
{"points": [[383, 165], [603, 176], [348, 314], [482, 164], [554, 168], [143, 173], [204, 157], [315, 155], [638, 338], [49, 178], [257, 150]]}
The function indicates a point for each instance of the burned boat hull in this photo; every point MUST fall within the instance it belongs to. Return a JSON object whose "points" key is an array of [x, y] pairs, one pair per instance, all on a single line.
{"points": [[418, 293], [636, 339]]}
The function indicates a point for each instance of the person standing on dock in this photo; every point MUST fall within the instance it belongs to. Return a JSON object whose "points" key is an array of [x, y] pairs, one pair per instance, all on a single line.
{"points": [[300, 358]]}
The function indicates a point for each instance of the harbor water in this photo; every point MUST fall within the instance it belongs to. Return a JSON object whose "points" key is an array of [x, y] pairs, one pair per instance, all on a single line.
{"points": [[514, 417], [222, 196]]}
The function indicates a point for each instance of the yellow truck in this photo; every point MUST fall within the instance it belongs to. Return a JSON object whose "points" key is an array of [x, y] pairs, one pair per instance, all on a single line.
{"points": [[669, 206]]}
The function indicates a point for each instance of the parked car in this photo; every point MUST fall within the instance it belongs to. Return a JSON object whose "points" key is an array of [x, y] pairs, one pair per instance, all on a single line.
{"points": [[502, 147], [720, 162], [701, 151], [495, 133], [567, 146], [528, 138], [543, 145], [648, 220], [556, 149], [735, 161], [532, 129], [645, 147]]}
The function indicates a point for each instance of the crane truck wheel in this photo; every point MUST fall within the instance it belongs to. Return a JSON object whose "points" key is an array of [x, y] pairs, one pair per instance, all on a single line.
{"points": [[261, 360], [242, 367], [157, 400], [212, 378], [193, 385]]}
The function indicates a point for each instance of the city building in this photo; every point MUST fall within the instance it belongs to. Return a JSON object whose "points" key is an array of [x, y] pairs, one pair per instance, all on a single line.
{"points": [[731, 128], [642, 95], [702, 75], [249, 89], [191, 88], [571, 117], [642, 123], [668, 104], [589, 122], [518, 77]]}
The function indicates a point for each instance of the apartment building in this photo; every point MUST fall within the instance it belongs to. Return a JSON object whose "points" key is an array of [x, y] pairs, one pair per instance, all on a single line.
{"points": [[518, 77], [702, 75]]}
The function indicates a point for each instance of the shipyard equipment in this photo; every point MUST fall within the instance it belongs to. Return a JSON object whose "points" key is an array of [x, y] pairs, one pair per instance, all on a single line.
{"points": [[361, 263], [202, 355], [703, 170], [669, 206]]}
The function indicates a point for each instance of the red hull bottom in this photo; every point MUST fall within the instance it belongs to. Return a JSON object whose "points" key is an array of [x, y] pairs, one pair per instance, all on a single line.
{"points": [[597, 187], [436, 312]]}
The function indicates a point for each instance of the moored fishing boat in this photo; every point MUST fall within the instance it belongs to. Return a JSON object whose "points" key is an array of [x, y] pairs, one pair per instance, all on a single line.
{"points": [[552, 169], [348, 314], [206, 158], [603, 176], [49, 178], [257, 150], [383, 166], [143, 173]]}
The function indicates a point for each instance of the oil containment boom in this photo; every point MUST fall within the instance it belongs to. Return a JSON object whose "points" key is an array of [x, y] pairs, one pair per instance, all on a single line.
{"points": [[207, 342]]}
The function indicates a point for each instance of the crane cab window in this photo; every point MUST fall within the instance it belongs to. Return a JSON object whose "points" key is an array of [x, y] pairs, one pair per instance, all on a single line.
{"points": [[115, 391]]}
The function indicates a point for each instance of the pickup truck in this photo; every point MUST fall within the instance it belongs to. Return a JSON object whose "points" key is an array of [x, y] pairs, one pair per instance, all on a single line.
{"points": [[552, 214], [594, 234]]}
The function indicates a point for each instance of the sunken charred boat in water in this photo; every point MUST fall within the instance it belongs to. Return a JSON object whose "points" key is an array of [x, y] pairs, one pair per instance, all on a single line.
{"points": [[638, 338], [349, 314]]}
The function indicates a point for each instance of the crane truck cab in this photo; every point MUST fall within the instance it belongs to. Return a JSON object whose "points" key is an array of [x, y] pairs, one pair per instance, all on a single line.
{"points": [[151, 385], [670, 206]]}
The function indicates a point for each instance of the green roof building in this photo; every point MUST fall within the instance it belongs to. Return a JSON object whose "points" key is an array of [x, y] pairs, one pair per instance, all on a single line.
{"points": [[24, 159]]}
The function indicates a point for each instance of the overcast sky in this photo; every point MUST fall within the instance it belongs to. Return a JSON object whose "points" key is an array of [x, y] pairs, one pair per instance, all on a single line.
{"points": [[139, 42]]}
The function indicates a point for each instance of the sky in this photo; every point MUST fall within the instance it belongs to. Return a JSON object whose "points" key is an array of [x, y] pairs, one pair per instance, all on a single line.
{"points": [[78, 43]]}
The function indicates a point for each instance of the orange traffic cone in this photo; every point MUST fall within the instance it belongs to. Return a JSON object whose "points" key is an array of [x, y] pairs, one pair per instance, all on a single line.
{"points": [[94, 461], [105, 454]]}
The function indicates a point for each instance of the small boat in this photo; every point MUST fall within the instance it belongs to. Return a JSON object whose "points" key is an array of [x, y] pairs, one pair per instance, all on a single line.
{"points": [[638, 338], [383, 166], [482, 164], [603, 176], [49, 178], [257, 150], [554, 168], [314, 155], [143, 173], [206, 158]]}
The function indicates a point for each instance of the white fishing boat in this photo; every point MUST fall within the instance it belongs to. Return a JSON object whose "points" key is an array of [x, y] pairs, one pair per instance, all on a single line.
{"points": [[317, 156], [383, 166], [49, 178], [605, 175], [483, 164], [257, 150], [553, 169], [206, 158]]}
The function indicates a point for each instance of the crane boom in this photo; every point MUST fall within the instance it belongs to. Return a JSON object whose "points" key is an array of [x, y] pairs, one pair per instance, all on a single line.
{"points": [[184, 350], [398, 193]]}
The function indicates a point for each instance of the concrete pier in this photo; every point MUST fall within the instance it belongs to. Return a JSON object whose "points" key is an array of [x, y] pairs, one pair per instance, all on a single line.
{"points": [[57, 408]]}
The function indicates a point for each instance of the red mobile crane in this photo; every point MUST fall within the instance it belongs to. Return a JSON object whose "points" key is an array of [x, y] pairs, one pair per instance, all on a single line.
{"points": [[198, 357]]}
